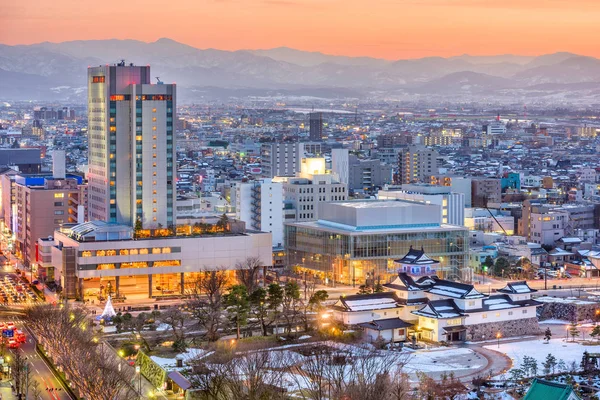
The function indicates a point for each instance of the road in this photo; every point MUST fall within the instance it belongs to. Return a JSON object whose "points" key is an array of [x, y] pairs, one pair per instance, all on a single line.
{"points": [[40, 371]]}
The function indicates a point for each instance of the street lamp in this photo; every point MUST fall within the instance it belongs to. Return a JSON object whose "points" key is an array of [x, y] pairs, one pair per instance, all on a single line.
{"points": [[138, 373], [498, 336]]}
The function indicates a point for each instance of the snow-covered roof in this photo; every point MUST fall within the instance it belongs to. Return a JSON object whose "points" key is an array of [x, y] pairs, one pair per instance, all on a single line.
{"points": [[517, 288], [416, 257], [440, 309], [366, 302]]}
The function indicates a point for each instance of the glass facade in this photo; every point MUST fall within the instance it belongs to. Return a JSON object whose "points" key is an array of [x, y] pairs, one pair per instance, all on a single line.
{"points": [[354, 258]]}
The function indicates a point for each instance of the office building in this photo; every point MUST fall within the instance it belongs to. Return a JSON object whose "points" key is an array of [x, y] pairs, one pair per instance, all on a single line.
{"points": [[316, 126], [393, 140], [43, 204], [131, 147], [260, 205], [360, 175], [452, 205], [356, 241], [416, 164], [494, 128], [97, 259], [485, 191], [281, 159], [312, 186]]}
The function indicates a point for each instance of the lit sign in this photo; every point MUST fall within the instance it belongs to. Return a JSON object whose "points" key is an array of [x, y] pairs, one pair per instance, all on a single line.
{"points": [[98, 79]]}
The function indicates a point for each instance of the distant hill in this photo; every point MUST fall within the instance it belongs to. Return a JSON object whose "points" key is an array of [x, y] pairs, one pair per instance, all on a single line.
{"points": [[58, 71]]}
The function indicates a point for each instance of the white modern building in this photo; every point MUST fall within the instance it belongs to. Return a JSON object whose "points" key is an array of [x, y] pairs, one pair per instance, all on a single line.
{"points": [[312, 186], [260, 205], [98, 258], [452, 205], [131, 146]]}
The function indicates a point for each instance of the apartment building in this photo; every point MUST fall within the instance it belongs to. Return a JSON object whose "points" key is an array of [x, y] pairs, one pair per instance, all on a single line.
{"points": [[416, 164]]}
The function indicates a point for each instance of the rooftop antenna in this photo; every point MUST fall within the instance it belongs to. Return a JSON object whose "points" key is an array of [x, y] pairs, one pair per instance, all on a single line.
{"points": [[122, 63], [158, 81]]}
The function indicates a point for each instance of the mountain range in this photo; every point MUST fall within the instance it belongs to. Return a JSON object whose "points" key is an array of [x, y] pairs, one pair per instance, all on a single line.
{"points": [[57, 71]]}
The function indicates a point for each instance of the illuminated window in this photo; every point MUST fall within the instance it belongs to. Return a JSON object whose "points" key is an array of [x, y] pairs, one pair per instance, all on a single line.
{"points": [[138, 137], [143, 251], [154, 137], [106, 266], [154, 182], [156, 250], [154, 155], [112, 119], [133, 252], [112, 156], [154, 164], [154, 201], [154, 210], [153, 119], [154, 192], [86, 254], [154, 146], [140, 183], [124, 252], [167, 263], [112, 183], [154, 110], [153, 128], [59, 195], [100, 253], [112, 201], [154, 173], [166, 250], [113, 128], [111, 252], [138, 201], [154, 219]]}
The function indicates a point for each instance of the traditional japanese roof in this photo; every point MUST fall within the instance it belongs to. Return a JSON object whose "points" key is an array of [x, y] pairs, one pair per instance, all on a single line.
{"points": [[517, 288], [544, 390], [503, 301], [407, 282], [455, 290], [366, 302], [455, 328], [386, 324], [416, 257], [440, 309]]}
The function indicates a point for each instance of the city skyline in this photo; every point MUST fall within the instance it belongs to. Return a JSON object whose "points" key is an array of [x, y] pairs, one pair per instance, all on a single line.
{"points": [[393, 30]]}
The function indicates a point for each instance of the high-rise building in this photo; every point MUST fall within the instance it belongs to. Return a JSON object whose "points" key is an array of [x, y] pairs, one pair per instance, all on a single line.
{"points": [[417, 164], [311, 187], [260, 205], [316, 126], [281, 159], [131, 146], [485, 191]]}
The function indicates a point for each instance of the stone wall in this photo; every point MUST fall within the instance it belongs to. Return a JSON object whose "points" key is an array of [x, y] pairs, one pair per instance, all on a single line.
{"points": [[568, 311], [519, 327]]}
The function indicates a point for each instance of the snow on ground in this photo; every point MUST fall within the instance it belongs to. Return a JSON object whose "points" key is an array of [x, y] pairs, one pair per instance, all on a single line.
{"points": [[163, 327], [444, 360], [566, 351], [567, 300], [171, 363], [555, 322]]}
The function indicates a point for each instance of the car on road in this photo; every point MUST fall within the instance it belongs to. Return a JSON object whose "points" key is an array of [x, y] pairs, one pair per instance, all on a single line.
{"points": [[13, 344]]}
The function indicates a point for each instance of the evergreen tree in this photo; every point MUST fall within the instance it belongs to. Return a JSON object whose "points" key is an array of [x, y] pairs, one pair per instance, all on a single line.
{"points": [[595, 332], [530, 367], [547, 334], [573, 331], [549, 364], [237, 306]]}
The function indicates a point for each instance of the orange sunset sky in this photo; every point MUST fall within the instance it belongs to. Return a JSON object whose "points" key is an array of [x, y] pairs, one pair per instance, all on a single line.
{"points": [[389, 29]]}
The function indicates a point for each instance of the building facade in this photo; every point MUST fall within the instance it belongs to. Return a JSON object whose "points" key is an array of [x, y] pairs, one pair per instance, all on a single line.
{"points": [[132, 166], [416, 164], [280, 159], [316, 126], [260, 205], [96, 259], [357, 241], [452, 205]]}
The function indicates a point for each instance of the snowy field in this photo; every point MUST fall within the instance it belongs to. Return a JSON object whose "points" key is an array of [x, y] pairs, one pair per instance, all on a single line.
{"points": [[538, 349]]}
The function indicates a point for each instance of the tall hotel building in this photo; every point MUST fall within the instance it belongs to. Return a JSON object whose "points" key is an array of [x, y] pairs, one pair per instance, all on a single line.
{"points": [[131, 147]]}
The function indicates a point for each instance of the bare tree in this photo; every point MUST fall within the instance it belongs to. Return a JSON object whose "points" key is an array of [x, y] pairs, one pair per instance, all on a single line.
{"points": [[207, 303], [175, 318], [247, 272], [69, 342]]}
